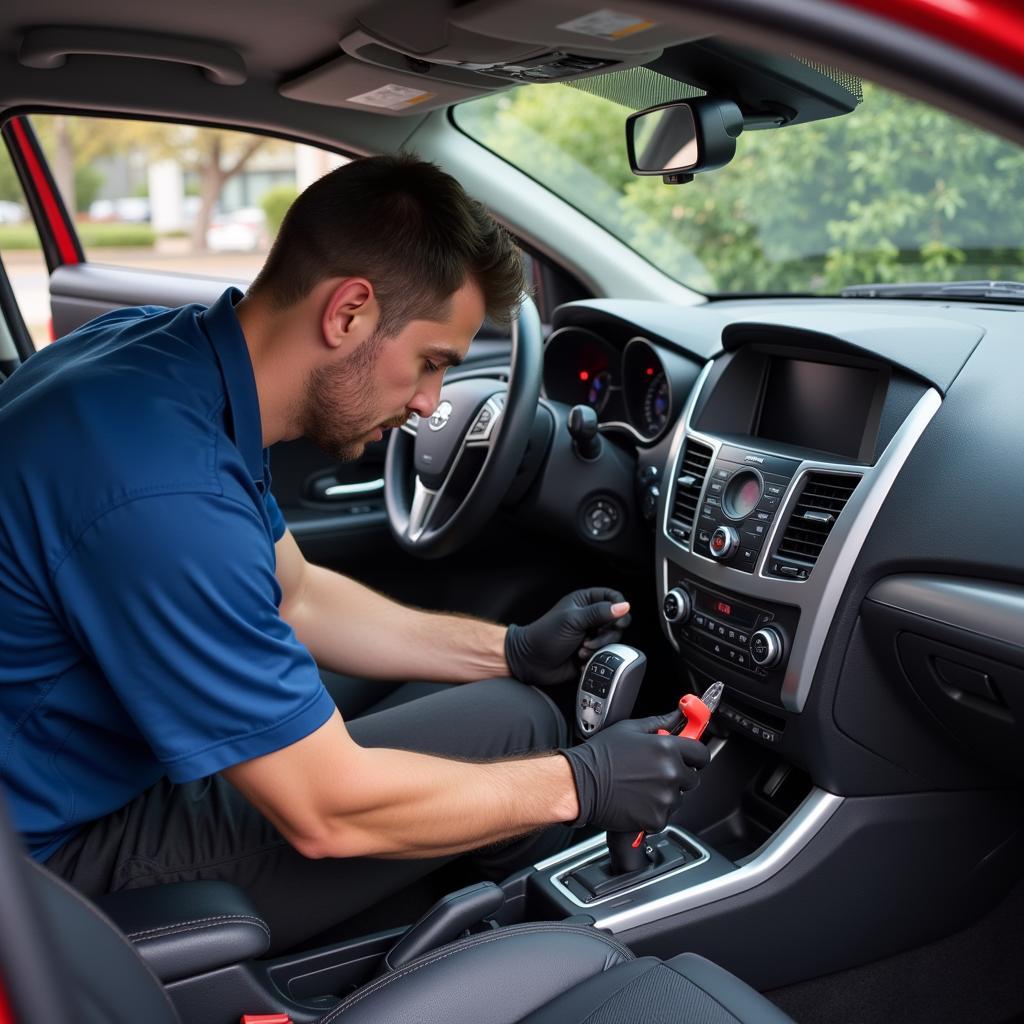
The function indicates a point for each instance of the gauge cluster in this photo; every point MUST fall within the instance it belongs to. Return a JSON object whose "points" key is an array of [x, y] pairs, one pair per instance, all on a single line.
{"points": [[630, 388]]}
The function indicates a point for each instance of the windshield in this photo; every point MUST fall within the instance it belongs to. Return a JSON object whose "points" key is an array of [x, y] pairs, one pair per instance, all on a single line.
{"points": [[896, 191]]}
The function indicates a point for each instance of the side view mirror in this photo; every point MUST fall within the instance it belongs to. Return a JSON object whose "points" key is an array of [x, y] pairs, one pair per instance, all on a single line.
{"points": [[681, 139]]}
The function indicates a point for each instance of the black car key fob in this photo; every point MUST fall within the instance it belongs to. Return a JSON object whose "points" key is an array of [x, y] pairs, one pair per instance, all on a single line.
{"points": [[608, 687]]}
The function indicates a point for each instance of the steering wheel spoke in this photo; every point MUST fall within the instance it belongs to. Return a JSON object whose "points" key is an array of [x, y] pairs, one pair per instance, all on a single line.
{"points": [[423, 502], [485, 426]]}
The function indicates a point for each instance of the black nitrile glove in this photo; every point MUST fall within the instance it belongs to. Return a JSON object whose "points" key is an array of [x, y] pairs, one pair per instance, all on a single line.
{"points": [[628, 778], [544, 652]]}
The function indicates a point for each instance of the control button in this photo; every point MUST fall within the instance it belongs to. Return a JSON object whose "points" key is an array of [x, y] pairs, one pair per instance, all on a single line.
{"points": [[766, 647], [703, 537], [699, 620], [716, 487], [731, 652], [768, 503], [613, 661], [677, 605], [723, 542], [754, 532], [743, 639], [748, 557], [480, 426], [731, 636], [774, 490], [752, 540], [741, 659], [721, 473], [721, 630], [712, 626], [649, 501], [601, 519], [713, 502], [763, 517]]}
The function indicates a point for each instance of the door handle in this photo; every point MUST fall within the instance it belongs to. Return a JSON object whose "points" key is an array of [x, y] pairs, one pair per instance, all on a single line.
{"points": [[327, 488]]}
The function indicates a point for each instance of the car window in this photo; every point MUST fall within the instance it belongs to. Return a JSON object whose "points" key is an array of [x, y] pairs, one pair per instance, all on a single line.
{"points": [[164, 196], [896, 191], [22, 254]]}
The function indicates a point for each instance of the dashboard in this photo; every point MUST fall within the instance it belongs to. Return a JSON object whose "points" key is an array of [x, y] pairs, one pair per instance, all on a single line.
{"points": [[780, 465]]}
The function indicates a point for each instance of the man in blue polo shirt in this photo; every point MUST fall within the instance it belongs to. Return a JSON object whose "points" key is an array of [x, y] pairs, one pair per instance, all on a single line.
{"points": [[162, 715]]}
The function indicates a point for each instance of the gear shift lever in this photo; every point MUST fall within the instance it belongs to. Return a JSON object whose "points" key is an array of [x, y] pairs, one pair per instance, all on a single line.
{"points": [[606, 695]]}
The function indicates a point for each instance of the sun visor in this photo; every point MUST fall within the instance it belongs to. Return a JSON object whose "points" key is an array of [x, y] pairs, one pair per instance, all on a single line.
{"points": [[356, 85]]}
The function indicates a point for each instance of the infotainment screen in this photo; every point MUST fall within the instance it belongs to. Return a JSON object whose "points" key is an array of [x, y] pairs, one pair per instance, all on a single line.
{"points": [[819, 405]]}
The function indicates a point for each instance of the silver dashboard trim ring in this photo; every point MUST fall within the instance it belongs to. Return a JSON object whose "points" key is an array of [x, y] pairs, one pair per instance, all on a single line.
{"points": [[774, 855], [596, 854], [818, 596]]}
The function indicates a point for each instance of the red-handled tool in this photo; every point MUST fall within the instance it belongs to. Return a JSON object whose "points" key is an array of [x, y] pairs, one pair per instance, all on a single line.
{"points": [[698, 712]]}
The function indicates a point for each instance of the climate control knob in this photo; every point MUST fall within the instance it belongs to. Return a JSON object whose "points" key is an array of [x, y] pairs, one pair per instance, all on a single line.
{"points": [[677, 606], [724, 543], [766, 647]]}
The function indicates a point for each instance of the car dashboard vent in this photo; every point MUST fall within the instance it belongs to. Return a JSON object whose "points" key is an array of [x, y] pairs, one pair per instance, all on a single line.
{"points": [[688, 485], [823, 498]]}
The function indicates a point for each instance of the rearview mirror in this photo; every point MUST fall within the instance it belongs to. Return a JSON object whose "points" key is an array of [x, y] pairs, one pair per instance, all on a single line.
{"points": [[681, 139]]}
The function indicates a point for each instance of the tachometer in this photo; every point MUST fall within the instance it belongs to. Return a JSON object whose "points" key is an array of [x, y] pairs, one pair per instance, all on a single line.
{"points": [[600, 388], [657, 401], [648, 389]]}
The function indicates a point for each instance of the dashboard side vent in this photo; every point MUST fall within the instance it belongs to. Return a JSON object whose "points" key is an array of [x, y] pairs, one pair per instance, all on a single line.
{"points": [[823, 498], [692, 470]]}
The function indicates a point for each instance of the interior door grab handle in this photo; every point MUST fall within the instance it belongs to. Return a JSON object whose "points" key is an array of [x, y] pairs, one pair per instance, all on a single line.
{"points": [[324, 489], [51, 47]]}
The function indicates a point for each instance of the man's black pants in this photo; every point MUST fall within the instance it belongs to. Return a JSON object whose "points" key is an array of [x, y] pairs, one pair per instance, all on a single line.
{"points": [[207, 830]]}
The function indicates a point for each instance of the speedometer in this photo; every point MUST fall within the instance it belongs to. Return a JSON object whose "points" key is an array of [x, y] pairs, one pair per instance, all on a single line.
{"points": [[656, 405]]}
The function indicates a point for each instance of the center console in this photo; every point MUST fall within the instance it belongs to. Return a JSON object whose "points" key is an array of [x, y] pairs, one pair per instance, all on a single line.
{"points": [[778, 467]]}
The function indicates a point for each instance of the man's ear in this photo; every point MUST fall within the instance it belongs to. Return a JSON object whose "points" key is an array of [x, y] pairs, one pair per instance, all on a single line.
{"points": [[351, 313]]}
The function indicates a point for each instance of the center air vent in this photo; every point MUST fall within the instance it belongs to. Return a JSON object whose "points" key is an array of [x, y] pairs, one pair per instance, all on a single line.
{"points": [[823, 498], [688, 485]]}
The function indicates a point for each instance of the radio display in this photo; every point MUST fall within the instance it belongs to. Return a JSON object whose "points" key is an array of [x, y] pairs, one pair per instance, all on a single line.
{"points": [[821, 405], [726, 611]]}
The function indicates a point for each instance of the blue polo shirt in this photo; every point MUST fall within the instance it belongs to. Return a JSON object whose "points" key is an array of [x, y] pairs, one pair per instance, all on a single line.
{"points": [[139, 623]]}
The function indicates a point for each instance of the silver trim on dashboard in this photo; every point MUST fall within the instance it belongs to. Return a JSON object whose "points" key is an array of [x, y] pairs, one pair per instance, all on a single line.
{"points": [[779, 851], [702, 858], [818, 596]]}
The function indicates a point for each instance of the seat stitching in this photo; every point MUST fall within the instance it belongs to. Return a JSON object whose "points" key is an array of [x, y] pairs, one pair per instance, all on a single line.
{"points": [[199, 922], [471, 942]]}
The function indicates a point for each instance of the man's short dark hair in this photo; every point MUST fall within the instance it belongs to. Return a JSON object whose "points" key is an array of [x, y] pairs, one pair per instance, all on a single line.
{"points": [[406, 226]]}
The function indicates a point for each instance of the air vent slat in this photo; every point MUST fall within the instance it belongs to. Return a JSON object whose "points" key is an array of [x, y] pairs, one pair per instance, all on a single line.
{"points": [[694, 467], [823, 498]]}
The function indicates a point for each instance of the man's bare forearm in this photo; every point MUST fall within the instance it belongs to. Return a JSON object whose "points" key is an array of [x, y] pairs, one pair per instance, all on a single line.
{"points": [[352, 629], [331, 798]]}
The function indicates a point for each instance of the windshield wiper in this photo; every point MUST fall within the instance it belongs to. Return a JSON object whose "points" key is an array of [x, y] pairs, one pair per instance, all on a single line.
{"points": [[1004, 291]]}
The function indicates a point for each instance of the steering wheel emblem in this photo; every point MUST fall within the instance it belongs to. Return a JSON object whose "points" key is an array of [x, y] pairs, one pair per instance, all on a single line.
{"points": [[441, 415]]}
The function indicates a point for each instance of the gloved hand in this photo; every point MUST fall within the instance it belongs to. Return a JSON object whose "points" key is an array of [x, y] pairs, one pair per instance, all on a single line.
{"points": [[542, 653], [628, 778]]}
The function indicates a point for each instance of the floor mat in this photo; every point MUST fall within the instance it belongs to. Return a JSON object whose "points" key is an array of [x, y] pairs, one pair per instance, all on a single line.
{"points": [[975, 976]]}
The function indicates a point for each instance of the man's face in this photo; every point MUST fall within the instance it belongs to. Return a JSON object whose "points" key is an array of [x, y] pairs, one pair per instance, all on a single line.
{"points": [[377, 386]]}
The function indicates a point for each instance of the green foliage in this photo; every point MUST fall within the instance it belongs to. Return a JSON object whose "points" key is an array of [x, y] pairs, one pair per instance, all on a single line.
{"points": [[88, 182], [275, 203], [92, 236], [895, 191], [18, 236]]}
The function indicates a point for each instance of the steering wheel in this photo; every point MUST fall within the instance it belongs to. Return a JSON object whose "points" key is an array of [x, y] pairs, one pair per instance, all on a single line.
{"points": [[445, 476]]}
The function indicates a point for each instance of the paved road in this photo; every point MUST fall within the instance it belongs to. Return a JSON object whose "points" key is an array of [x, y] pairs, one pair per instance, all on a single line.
{"points": [[29, 279]]}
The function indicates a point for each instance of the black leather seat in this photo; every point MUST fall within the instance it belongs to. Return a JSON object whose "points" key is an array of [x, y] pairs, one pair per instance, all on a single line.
{"points": [[62, 961]]}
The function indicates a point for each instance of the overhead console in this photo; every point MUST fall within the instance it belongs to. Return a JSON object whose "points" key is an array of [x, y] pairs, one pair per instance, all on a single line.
{"points": [[406, 58], [777, 467]]}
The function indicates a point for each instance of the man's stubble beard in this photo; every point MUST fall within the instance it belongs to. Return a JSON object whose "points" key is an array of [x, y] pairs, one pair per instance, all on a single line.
{"points": [[339, 409]]}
